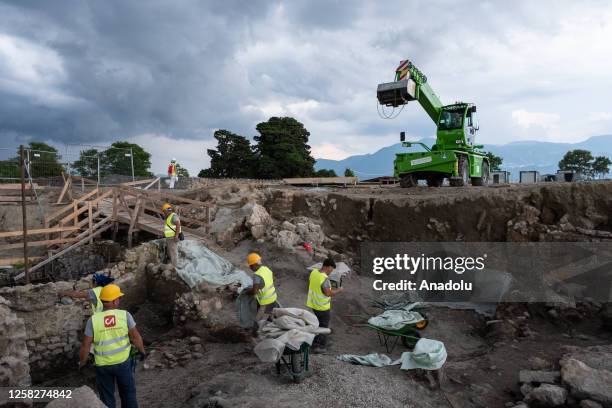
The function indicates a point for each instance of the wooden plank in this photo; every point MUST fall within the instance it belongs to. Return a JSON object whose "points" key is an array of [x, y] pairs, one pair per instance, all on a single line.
{"points": [[62, 252], [36, 243], [90, 221], [15, 186], [70, 206], [157, 180], [13, 261], [137, 182], [169, 196], [7, 234], [135, 215], [85, 180], [14, 199], [321, 180], [67, 183]]}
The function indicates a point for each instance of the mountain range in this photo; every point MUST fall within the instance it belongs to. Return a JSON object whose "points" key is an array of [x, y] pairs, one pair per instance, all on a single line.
{"points": [[517, 156]]}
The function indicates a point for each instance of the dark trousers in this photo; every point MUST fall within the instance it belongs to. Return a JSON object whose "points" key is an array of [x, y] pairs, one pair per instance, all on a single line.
{"points": [[123, 373], [324, 316]]}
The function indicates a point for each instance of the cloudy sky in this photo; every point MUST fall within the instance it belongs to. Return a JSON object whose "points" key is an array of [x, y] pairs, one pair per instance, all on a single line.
{"points": [[166, 74]]}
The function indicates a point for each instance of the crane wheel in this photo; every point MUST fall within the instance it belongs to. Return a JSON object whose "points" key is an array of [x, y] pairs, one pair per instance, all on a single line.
{"points": [[484, 179], [407, 181], [463, 178], [435, 181]]}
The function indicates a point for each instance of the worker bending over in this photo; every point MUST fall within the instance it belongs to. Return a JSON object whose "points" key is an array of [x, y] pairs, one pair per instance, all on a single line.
{"points": [[263, 284], [172, 172], [320, 293], [111, 331], [93, 295], [172, 232]]}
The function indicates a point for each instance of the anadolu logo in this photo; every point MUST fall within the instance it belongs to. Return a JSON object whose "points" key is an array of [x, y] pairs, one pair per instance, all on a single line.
{"points": [[109, 321]]}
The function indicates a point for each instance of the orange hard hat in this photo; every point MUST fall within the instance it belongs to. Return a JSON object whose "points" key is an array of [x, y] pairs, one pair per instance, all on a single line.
{"points": [[253, 259], [166, 206]]}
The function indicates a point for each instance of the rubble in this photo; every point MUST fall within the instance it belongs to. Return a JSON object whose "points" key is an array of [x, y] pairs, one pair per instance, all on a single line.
{"points": [[14, 355], [80, 397], [547, 395], [586, 382]]}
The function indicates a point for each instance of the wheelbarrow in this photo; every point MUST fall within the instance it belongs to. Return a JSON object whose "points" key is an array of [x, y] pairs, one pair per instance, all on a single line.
{"points": [[408, 334], [296, 362]]}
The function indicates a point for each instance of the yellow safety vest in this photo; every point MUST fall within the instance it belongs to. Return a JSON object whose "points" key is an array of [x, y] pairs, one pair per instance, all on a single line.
{"points": [[97, 307], [317, 300], [267, 294], [173, 172], [169, 228], [111, 340]]}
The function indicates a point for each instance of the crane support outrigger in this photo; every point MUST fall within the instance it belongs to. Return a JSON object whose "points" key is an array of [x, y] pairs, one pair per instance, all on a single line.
{"points": [[454, 156]]}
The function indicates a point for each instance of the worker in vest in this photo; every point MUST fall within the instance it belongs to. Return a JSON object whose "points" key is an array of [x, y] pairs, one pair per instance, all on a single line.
{"points": [[93, 295], [263, 285], [172, 172], [172, 232], [110, 331], [320, 293]]}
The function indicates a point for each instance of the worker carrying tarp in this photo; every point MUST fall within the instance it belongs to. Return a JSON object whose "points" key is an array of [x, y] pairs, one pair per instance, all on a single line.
{"points": [[263, 285], [319, 297], [173, 172], [98, 281], [110, 331], [172, 232]]}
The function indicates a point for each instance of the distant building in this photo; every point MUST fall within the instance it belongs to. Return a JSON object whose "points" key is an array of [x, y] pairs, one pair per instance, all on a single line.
{"points": [[568, 175], [500, 177], [528, 177], [381, 180]]}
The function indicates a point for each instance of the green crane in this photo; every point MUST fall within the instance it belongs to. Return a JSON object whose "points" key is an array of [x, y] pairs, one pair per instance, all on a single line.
{"points": [[454, 156]]}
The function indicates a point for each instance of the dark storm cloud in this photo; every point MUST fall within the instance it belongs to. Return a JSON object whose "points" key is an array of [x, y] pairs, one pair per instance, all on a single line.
{"points": [[165, 67]]}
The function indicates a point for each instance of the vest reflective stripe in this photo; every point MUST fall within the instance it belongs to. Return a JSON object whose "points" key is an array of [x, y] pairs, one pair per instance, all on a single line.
{"points": [[97, 307], [317, 300], [266, 295], [111, 340], [169, 228]]}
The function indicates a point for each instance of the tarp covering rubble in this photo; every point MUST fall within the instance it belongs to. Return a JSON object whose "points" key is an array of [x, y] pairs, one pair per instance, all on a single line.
{"points": [[427, 355], [197, 264], [290, 327]]}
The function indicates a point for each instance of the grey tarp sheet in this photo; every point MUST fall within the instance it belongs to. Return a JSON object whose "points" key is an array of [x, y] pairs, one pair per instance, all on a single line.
{"points": [[197, 264]]}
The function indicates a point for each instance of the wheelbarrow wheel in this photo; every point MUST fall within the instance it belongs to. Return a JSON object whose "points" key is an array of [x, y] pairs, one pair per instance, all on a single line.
{"points": [[297, 370], [408, 342]]}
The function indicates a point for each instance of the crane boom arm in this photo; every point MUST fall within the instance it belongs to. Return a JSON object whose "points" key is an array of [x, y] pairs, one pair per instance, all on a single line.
{"points": [[410, 84]]}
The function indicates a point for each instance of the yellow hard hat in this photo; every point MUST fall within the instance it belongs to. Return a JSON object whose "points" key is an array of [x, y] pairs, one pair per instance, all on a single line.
{"points": [[110, 292], [166, 206], [253, 258]]}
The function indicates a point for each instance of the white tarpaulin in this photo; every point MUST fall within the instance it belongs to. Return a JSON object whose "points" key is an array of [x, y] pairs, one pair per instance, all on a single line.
{"points": [[395, 319], [290, 327], [197, 264]]}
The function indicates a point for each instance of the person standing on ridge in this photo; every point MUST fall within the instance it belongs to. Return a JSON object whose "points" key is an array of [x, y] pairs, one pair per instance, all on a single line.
{"points": [[173, 172]]}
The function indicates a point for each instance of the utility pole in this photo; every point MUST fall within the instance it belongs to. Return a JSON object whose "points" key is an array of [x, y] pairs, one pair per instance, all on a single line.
{"points": [[132, 160], [98, 157], [24, 215]]}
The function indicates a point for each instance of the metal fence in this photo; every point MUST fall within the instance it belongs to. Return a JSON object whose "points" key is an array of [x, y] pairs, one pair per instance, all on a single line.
{"points": [[103, 165]]}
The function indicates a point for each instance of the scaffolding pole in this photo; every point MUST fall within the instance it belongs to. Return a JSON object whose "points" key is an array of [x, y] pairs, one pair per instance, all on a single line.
{"points": [[24, 215]]}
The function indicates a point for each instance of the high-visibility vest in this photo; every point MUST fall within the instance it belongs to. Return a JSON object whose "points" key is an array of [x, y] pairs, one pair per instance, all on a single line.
{"points": [[97, 307], [169, 228], [173, 170], [267, 294], [317, 300], [111, 340]]}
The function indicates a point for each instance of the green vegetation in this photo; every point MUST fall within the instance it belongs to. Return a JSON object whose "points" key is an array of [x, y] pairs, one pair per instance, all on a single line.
{"points": [[495, 162], [348, 173], [281, 151], [583, 162]]}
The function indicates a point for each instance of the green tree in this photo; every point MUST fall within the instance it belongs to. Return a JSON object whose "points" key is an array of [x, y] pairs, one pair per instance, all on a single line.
{"points": [[116, 160], [495, 162], [87, 164], [233, 157], [282, 149], [577, 160], [181, 171], [44, 160], [325, 173], [348, 173], [601, 166]]}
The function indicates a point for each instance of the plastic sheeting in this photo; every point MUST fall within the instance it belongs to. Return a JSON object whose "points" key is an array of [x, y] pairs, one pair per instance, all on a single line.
{"points": [[197, 264], [427, 354], [290, 327], [395, 319], [246, 308]]}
